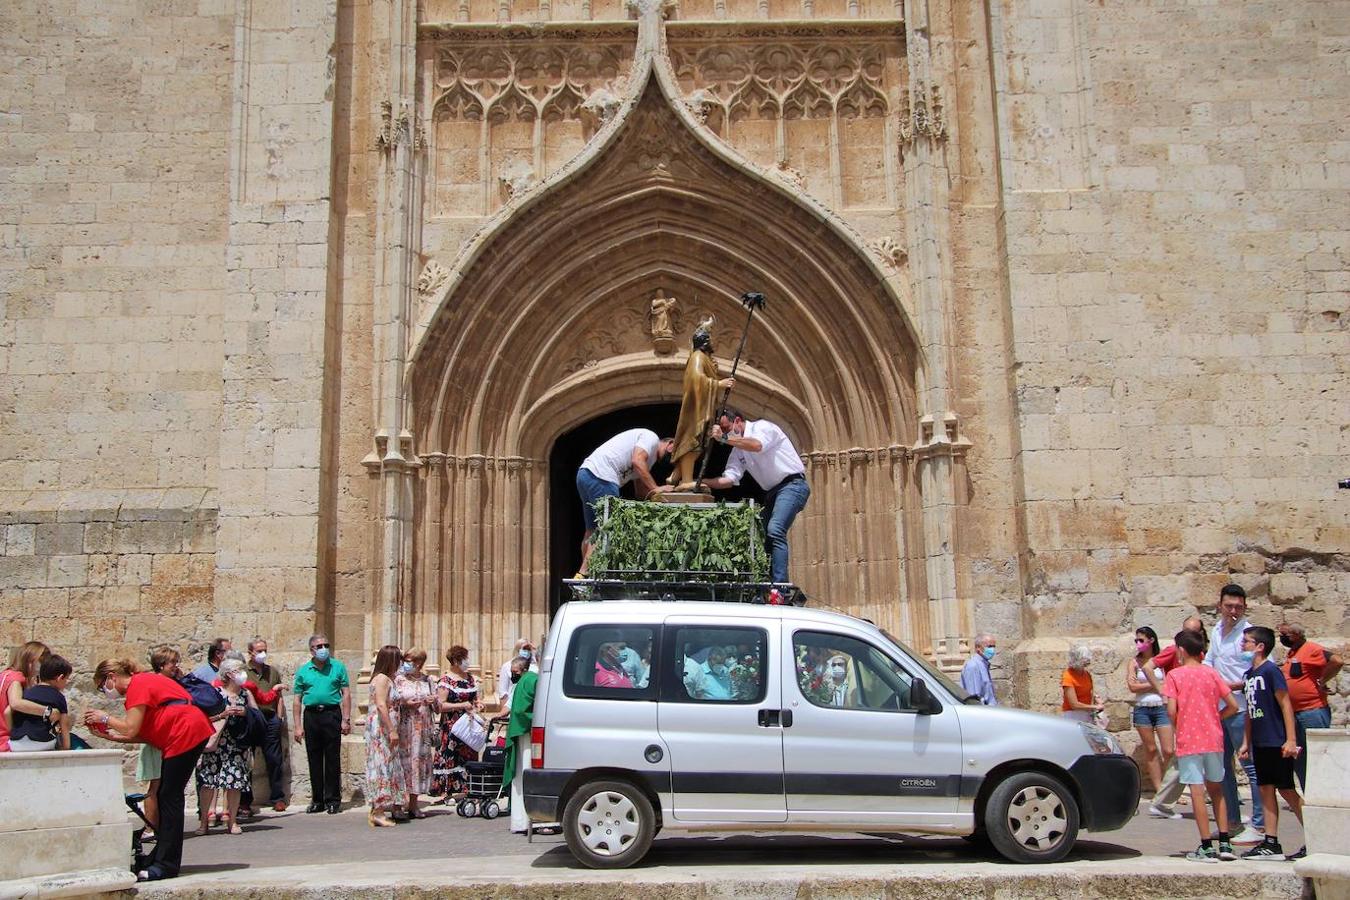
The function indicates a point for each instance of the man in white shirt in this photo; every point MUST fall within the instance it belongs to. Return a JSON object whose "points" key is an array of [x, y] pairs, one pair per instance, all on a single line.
{"points": [[762, 449], [1225, 656], [628, 456]]}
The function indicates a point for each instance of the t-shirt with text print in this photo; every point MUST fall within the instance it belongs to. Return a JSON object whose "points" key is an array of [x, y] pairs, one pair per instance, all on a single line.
{"points": [[1199, 692], [1263, 709]]}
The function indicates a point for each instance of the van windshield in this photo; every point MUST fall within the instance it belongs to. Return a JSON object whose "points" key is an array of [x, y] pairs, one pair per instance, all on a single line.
{"points": [[933, 672]]}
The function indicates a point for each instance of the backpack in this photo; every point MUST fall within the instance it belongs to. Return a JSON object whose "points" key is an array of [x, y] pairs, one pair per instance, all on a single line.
{"points": [[250, 729], [204, 696]]}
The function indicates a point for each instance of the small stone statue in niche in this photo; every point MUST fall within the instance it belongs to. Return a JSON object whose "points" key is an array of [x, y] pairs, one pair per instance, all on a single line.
{"points": [[661, 317]]}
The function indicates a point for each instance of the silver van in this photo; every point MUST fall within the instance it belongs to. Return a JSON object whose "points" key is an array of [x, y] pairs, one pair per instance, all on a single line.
{"points": [[704, 716]]}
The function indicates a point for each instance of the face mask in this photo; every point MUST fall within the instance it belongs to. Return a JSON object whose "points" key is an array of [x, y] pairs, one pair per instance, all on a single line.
{"points": [[988, 652], [260, 657], [526, 653], [110, 692], [321, 654], [1143, 646], [515, 676], [1285, 641], [406, 668], [837, 672], [239, 678], [1247, 656]]}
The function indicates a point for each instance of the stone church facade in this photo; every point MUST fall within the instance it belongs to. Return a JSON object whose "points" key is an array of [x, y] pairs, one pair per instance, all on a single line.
{"points": [[301, 299]]}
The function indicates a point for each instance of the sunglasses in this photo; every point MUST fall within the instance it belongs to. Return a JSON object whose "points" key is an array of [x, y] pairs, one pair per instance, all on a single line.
{"points": [[319, 646]]}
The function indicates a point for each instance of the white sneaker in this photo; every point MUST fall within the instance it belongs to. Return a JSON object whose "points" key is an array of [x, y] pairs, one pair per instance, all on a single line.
{"points": [[1158, 811], [1248, 835]]}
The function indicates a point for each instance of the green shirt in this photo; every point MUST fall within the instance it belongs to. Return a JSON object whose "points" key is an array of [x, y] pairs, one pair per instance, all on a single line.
{"points": [[321, 687], [266, 678], [522, 716]]}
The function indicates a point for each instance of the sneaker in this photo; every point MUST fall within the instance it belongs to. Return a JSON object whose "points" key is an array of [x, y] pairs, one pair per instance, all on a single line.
{"points": [[1299, 854], [1203, 854], [1159, 811], [1248, 835], [1266, 850], [1226, 851]]}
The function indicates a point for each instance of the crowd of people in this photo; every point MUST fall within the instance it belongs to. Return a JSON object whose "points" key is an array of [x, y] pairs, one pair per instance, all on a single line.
{"points": [[422, 734], [212, 720], [1195, 733]]}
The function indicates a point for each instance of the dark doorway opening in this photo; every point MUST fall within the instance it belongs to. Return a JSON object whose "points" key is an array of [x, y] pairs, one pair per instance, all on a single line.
{"points": [[564, 518]]}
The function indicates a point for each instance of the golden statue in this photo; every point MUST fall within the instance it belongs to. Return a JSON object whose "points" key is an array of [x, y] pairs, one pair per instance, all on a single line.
{"points": [[698, 406]]}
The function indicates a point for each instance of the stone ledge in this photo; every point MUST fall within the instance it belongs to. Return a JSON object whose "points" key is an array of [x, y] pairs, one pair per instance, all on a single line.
{"points": [[1142, 878], [1329, 873], [71, 884]]}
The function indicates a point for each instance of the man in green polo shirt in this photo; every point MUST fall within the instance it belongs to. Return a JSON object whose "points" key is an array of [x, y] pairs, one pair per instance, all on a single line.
{"points": [[323, 714]]}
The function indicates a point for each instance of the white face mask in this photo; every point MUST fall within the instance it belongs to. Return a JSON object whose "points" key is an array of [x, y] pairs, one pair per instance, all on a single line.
{"points": [[238, 678], [111, 691], [837, 672], [260, 657]]}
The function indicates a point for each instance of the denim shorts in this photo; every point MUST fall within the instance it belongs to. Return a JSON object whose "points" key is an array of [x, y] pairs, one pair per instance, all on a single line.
{"points": [[592, 489], [1198, 768], [1150, 717]]}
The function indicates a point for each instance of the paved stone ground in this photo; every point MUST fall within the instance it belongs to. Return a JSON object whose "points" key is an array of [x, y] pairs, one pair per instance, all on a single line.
{"points": [[325, 855]]}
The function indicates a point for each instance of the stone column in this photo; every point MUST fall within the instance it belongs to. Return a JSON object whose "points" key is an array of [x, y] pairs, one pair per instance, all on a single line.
{"points": [[939, 455], [392, 463], [281, 275]]}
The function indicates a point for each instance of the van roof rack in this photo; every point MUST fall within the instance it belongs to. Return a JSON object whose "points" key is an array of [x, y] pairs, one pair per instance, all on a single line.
{"points": [[677, 586]]}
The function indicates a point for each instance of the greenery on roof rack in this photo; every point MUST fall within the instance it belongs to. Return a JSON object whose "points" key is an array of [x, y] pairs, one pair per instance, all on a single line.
{"points": [[702, 542]]}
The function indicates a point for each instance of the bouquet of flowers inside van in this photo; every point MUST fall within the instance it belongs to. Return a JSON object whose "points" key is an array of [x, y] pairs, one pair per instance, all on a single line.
{"points": [[811, 679], [745, 678]]}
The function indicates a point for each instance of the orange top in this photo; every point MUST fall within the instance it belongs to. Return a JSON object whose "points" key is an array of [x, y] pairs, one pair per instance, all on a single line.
{"points": [[1081, 682], [1306, 691]]}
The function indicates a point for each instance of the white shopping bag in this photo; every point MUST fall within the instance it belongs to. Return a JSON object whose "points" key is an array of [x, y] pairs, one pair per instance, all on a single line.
{"points": [[470, 729]]}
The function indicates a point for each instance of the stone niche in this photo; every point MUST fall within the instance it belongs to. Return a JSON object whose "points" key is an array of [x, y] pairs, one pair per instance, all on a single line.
{"points": [[64, 828]]}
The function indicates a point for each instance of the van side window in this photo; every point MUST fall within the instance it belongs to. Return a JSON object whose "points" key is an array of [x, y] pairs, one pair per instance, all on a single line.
{"points": [[846, 673], [611, 662], [716, 665]]}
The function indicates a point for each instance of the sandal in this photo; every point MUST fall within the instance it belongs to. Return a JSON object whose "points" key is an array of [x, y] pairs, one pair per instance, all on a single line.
{"points": [[203, 829], [235, 829]]}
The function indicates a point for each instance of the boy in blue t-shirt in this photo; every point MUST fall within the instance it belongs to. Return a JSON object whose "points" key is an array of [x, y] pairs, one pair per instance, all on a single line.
{"points": [[1270, 739]]}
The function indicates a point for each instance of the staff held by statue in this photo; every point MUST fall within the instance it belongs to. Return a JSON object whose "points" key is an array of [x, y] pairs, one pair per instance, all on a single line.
{"points": [[751, 300]]}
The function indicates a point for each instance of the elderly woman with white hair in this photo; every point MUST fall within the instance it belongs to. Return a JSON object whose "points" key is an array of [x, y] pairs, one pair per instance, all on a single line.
{"points": [[225, 764], [1080, 702]]}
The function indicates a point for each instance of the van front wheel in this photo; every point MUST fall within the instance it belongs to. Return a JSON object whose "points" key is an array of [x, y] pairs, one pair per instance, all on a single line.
{"points": [[609, 824], [1031, 817]]}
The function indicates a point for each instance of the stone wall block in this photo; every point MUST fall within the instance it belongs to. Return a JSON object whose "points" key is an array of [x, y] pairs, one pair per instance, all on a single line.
{"points": [[1288, 589]]}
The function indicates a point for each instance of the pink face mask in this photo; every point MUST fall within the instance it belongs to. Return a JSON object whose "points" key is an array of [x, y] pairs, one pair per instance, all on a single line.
{"points": [[1143, 646]]}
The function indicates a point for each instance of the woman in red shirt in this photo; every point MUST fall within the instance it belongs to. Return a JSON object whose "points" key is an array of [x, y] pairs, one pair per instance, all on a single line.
{"points": [[159, 713]]}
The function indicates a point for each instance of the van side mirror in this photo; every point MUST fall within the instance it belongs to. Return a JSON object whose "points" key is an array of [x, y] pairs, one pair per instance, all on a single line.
{"points": [[922, 700]]}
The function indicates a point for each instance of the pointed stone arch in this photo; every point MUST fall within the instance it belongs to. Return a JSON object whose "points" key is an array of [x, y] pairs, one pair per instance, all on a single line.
{"points": [[500, 367]]}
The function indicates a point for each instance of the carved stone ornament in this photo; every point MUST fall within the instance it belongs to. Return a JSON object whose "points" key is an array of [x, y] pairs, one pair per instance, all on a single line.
{"points": [[922, 115], [891, 250], [433, 276], [661, 315], [601, 106], [393, 132], [516, 178], [790, 175]]}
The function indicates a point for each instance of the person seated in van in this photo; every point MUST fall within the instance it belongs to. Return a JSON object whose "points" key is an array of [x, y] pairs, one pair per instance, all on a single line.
{"points": [[841, 688], [635, 666], [608, 671], [51, 731], [716, 683]]}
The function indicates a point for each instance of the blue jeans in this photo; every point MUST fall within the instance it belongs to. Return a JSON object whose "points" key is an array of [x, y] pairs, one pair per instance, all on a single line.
{"points": [[591, 489], [781, 505], [1303, 720], [1234, 729]]}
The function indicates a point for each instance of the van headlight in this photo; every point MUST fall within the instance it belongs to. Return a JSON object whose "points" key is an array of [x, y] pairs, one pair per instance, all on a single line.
{"points": [[1099, 740]]}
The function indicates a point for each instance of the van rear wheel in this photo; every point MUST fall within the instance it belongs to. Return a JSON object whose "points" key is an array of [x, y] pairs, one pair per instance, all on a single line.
{"points": [[1031, 817], [609, 824]]}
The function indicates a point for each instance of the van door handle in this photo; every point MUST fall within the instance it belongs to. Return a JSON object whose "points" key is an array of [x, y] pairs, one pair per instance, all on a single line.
{"points": [[768, 718], [787, 718]]}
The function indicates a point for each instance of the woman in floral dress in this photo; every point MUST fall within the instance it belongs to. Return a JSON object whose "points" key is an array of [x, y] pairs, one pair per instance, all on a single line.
{"points": [[386, 780], [416, 726], [226, 764], [456, 694]]}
